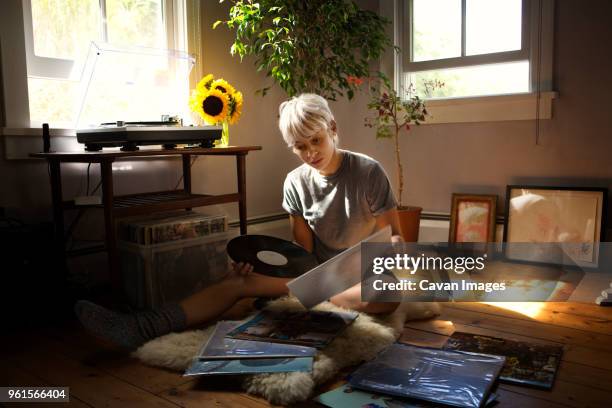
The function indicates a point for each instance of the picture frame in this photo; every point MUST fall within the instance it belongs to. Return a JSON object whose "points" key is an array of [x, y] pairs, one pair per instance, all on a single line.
{"points": [[567, 222], [472, 218]]}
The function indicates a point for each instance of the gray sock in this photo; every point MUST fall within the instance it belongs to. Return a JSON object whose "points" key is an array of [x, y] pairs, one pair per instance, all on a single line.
{"points": [[130, 330]]}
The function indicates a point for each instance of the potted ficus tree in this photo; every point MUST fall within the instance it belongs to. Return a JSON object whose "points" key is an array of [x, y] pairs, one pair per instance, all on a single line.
{"points": [[392, 116], [308, 46]]}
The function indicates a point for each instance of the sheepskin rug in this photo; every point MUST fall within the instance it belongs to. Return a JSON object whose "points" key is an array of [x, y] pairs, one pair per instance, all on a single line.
{"points": [[361, 341]]}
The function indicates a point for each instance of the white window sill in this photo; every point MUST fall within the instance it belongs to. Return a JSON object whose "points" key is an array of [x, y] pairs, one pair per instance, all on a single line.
{"points": [[36, 132], [490, 108], [20, 142]]}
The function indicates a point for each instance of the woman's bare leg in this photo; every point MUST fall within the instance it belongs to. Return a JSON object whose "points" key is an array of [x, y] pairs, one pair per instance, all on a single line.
{"points": [[212, 301]]}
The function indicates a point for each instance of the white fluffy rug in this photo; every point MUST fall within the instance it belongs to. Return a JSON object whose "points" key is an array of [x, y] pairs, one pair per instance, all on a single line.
{"points": [[361, 341]]}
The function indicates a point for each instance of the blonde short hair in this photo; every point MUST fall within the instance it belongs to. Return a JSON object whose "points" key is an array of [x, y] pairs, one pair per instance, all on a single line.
{"points": [[303, 116]]}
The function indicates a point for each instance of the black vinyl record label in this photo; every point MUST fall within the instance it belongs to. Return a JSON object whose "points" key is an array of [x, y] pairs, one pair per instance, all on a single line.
{"points": [[271, 256]]}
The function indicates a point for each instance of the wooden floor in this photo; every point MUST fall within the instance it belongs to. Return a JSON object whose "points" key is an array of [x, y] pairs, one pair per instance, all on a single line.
{"points": [[99, 376]]}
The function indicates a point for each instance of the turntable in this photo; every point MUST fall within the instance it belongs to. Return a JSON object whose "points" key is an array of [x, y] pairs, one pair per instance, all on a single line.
{"points": [[130, 135], [141, 86]]}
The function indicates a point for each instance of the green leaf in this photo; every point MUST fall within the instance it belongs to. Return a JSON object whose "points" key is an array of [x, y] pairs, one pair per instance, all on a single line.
{"points": [[216, 24]]}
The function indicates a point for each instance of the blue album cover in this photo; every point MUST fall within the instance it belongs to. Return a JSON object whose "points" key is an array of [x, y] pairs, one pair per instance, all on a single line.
{"points": [[221, 347], [307, 328], [347, 397], [249, 366], [448, 377]]}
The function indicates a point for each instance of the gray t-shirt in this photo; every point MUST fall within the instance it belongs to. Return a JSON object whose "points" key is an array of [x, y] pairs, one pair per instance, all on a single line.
{"points": [[341, 208]]}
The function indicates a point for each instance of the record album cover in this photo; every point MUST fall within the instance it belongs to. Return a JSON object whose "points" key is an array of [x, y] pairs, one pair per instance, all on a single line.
{"points": [[306, 328], [220, 347], [526, 363], [249, 366], [347, 397], [454, 378]]}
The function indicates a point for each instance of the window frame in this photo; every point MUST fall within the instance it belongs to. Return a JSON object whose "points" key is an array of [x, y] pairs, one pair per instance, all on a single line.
{"points": [[536, 47], [463, 60], [14, 61]]}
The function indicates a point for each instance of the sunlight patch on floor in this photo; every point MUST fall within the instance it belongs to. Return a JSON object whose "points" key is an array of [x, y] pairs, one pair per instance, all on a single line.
{"points": [[529, 309]]}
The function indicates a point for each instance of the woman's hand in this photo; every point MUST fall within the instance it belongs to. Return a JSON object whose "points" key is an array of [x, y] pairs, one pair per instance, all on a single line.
{"points": [[241, 270]]}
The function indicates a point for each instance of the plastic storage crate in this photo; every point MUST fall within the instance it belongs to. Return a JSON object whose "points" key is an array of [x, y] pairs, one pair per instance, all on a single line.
{"points": [[169, 272]]}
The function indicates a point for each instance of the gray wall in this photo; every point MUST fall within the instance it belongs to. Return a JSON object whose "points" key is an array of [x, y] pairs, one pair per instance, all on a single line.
{"points": [[574, 147]]}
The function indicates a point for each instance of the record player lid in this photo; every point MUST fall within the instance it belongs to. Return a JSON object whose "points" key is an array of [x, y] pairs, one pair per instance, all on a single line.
{"points": [[135, 83]]}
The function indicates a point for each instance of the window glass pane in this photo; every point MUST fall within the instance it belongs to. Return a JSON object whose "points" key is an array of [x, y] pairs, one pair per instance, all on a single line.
{"points": [[436, 29], [52, 101], [64, 28], [135, 22], [493, 26], [473, 81]]}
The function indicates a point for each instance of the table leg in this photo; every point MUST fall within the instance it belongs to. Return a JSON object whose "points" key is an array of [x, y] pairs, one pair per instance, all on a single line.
{"points": [[106, 170], [58, 206], [242, 203], [187, 173]]}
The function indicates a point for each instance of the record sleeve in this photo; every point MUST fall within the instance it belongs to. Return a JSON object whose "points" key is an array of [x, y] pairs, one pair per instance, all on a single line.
{"points": [[526, 363], [271, 256], [219, 347], [454, 378], [249, 366], [308, 328], [335, 275], [347, 397]]}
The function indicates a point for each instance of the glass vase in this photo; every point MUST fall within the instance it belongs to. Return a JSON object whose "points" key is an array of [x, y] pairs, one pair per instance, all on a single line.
{"points": [[224, 142]]}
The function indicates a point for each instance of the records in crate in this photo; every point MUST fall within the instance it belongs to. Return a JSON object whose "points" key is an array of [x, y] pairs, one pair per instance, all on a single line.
{"points": [[165, 227], [167, 257], [526, 363]]}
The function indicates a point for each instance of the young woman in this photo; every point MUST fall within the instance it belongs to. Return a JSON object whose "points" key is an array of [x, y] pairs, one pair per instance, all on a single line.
{"points": [[335, 199]]}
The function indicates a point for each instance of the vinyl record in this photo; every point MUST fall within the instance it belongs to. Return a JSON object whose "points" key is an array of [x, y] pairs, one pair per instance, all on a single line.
{"points": [[271, 256]]}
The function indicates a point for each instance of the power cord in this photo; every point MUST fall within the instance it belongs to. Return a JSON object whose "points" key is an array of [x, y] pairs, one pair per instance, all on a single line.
{"points": [[193, 160]]}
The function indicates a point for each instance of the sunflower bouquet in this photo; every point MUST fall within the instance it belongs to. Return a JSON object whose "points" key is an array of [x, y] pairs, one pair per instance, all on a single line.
{"points": [[218, 103]]}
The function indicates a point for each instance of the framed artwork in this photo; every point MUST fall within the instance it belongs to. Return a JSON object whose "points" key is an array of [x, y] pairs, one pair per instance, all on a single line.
{"points": [[567, 222], [472, 218]]}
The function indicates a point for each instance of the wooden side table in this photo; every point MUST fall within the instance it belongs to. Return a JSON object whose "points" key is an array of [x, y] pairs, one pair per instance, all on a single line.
{"points": [[135, 204]]}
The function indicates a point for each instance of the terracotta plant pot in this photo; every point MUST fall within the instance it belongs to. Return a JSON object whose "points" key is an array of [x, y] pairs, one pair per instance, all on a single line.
{"points": [[410, 220]]}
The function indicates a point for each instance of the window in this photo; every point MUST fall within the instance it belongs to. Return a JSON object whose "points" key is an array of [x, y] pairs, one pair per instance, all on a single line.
{"points": [[478, 49], [58, 34], [49, 40]]}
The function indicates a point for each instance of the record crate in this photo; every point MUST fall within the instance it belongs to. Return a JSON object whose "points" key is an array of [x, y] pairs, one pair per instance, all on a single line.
{"points": [[154, 274]]}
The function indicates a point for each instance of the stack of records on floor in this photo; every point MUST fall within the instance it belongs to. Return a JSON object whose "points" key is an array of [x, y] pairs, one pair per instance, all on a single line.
{"points": [[526, 363], [268, 343], [404, 375]]}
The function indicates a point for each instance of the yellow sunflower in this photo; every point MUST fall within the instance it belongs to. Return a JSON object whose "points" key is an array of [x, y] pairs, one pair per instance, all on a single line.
{"points": [[212, 106], [235, 107], [204, 84], [223, 86]]}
